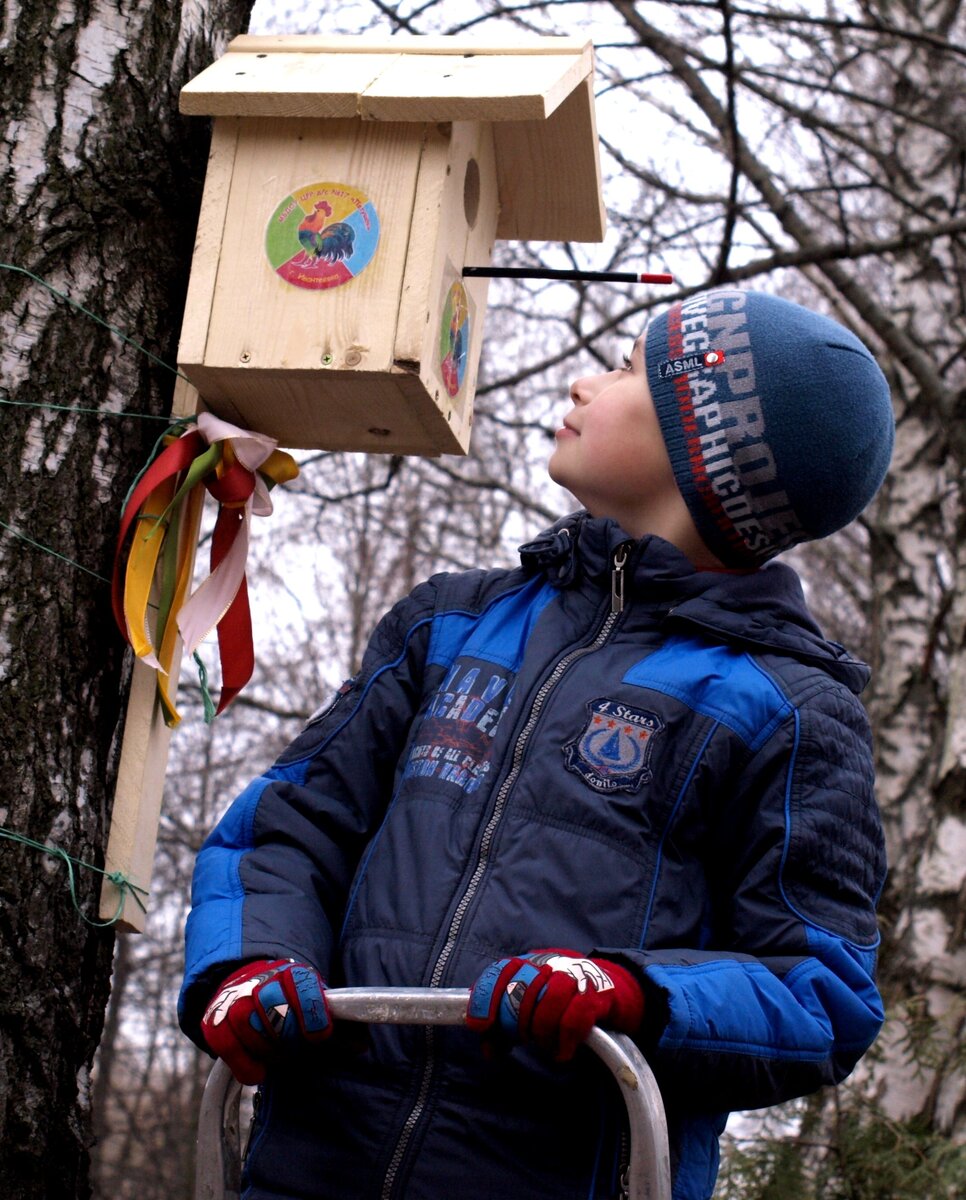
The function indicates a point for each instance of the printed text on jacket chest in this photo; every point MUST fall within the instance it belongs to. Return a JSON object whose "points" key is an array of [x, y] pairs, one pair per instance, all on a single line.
{"points": [[456, 735]]}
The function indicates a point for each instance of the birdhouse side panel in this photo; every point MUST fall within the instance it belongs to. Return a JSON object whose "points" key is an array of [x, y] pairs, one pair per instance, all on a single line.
{"points": [[442, 315], [454, 225], [480, 239], [208, 241], [550, 185]]}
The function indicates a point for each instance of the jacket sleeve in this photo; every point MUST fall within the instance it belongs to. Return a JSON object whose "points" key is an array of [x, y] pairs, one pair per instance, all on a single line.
{"points": [[782, 998], [271, 879]]}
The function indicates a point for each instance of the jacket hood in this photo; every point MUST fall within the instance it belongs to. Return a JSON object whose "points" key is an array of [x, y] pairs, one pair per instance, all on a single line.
{"points": [[761, 610]]}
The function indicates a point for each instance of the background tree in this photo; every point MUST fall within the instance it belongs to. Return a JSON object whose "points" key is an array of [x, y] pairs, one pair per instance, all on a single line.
{"points": [[99, 180]]}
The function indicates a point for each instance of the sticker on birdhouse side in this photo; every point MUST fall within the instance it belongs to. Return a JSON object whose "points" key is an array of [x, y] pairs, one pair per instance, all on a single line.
{"points": [[322, 235], [454, 338]]}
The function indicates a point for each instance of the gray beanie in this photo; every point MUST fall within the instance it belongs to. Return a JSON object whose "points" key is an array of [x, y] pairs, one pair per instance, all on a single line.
{"points": [[777, 421]]}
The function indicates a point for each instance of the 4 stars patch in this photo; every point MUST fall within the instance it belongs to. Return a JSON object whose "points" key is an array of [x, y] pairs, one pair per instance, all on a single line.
{"points": [[613, 752]]}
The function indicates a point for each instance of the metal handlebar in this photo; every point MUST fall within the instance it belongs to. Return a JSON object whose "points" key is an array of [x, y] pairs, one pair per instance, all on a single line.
{"points": [[218, 1172]]}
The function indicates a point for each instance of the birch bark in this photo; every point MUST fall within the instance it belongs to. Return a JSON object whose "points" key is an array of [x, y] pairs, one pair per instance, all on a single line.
{"points": [[99, 183]]}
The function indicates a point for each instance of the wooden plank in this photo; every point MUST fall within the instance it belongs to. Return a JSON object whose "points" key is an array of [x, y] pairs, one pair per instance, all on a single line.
{"points": [[379, 412], [473, 87], [137, 801], [209, 239], [140, 779], [450, 228], [466, 86], [282, 85], [312, 43], [423, 263], [480, 239], [539, 199]]}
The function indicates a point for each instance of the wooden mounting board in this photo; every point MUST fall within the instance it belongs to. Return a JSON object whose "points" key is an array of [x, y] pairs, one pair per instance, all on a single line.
{"points": [[140, 778]]}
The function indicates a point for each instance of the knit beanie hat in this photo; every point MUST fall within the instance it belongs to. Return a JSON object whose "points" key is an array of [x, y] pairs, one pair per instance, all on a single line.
{"points": [[777, 420]]}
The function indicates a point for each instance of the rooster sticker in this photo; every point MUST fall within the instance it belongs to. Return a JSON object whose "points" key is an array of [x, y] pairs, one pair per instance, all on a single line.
{"points": [[454, 338], [333, 242], [322, 235]]}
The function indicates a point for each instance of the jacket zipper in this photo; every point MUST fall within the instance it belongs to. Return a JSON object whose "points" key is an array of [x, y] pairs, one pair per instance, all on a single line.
{"points": [[624, 1167], [618, 562]]}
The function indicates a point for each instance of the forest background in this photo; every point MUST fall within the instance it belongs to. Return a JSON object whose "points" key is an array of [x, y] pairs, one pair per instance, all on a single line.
{"points": [[816, 149]]}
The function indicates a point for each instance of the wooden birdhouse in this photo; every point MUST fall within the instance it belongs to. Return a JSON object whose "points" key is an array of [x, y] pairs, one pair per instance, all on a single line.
{"points": [[350, 182]]}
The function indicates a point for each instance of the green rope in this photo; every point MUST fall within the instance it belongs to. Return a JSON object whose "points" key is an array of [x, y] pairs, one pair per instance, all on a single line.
{"points": [[49, 550], [93, 316], [77, 408], [206, 699], [207, 702], [124, 886]]}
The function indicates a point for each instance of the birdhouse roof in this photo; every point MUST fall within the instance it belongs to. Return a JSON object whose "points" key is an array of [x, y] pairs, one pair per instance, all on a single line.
{"points": [[537, 93]]}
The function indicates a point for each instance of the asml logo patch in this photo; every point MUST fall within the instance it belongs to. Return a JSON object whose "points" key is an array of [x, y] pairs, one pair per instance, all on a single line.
{"points": [[613, 752], [671, 367]]}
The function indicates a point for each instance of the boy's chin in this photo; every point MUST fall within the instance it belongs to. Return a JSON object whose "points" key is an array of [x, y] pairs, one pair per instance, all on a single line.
{"points": [[558, 470]]}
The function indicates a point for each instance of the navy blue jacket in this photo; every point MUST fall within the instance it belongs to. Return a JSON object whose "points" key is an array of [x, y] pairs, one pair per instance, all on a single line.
{"points": [[683, 784]]}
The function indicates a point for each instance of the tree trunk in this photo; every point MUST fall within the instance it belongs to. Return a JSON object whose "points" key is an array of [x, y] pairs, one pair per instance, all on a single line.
{"points": [[99, 193], [920, 567]]}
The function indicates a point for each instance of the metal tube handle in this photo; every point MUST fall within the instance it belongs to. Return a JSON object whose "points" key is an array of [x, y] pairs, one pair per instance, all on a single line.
{"points": [[649, 1173]]}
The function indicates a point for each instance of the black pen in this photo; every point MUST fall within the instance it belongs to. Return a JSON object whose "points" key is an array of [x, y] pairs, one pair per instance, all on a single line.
{"points": [[553, 273]]}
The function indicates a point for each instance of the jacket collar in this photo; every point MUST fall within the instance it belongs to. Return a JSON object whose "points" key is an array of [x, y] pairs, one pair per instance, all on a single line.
{"points": [[761, 610]]}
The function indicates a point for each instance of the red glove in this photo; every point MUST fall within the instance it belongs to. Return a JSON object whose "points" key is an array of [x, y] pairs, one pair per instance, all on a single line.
{"points": [[262, 1007], [553, 998]]}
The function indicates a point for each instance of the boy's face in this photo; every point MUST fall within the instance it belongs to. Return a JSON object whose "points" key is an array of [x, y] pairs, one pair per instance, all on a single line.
{"points": [[610, 452]]}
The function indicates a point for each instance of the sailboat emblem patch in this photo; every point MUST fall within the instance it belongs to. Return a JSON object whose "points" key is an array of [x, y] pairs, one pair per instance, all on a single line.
{"points": [[613, 752]]}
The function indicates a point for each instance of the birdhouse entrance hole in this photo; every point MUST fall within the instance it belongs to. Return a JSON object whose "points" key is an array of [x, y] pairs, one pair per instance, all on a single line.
{"points": [[471, 193]]}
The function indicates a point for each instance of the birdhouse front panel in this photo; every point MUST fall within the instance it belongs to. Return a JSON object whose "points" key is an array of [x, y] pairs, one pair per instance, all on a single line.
{"points": [[334, 311], [348, 186]]}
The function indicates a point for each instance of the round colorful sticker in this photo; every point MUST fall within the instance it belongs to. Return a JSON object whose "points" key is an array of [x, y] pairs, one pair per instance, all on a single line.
{"points": [[454, 338], [322, 235]]}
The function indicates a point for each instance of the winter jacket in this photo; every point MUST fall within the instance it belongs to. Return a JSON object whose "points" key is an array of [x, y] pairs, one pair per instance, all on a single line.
{"points": [[603, 750]]}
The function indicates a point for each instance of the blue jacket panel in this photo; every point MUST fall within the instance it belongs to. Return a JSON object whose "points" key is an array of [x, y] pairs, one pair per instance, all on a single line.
{"points": [[684, 786]]}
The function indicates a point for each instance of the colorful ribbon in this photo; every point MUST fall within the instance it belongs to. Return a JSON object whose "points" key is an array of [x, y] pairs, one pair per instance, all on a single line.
{"points": [[156, 543]]}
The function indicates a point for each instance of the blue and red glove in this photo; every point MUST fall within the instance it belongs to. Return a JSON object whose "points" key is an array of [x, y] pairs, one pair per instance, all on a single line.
{"points": [[553, 998], [262, 1008]]}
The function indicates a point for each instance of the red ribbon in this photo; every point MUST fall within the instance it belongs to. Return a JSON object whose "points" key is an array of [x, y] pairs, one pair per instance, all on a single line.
{"points": [[235, 644]]}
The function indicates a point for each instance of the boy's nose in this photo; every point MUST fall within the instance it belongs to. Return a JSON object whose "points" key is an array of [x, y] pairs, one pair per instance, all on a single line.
{"points": [[579, 391]]}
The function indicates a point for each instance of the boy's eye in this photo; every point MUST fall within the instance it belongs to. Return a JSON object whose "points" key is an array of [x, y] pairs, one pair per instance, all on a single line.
{"points": [[626, 360]]}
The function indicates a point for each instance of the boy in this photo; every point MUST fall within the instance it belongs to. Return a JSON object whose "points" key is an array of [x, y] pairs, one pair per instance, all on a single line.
{"points": [[628, 782]]}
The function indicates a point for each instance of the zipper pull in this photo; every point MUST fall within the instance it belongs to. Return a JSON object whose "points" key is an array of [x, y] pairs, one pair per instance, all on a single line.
{"points": [[617, 578]]}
